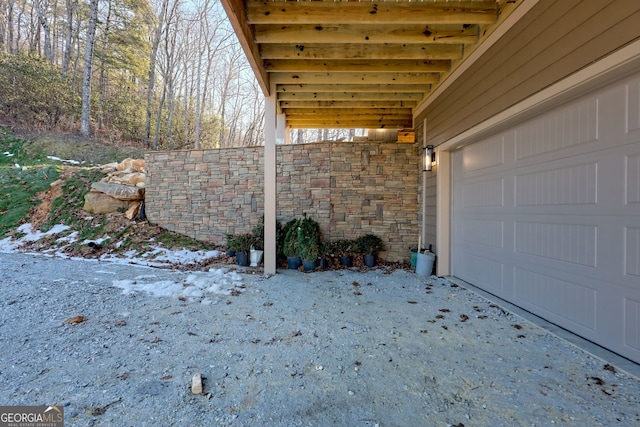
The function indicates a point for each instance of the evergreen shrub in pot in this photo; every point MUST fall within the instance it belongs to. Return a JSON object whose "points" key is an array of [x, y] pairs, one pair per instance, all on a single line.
{"points": [[345, 248], [309, 242], [290, 247], [242, 245], [370, 245]]}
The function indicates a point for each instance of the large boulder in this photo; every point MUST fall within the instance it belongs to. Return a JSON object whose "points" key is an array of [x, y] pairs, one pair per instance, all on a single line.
{"points": [[119, 191], [133, 165], [135, 179], [100, 203]]}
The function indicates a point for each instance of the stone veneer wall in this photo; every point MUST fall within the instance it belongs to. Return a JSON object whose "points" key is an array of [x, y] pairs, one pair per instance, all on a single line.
{"points": [[350, 189]]}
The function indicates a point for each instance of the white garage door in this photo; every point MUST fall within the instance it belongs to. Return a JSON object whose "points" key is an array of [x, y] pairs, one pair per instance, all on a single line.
{"points": [[547, 216]]}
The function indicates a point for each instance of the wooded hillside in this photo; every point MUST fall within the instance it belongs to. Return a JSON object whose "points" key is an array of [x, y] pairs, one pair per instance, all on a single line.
{"points": [[163, 73]]}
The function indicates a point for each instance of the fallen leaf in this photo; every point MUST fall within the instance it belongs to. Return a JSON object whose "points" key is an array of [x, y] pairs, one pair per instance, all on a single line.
{"points": [[609, 368], [75, 319], [464, 317]]}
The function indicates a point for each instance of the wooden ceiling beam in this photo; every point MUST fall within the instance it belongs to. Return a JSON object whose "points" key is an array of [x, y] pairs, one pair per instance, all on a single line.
{"points": [[348, 111], [306, 12], [352, 96], [347, 104], [338, 87], [370, 119], [363, 34], [354, 78], [357, 65], [349, 124], [361, 51]]}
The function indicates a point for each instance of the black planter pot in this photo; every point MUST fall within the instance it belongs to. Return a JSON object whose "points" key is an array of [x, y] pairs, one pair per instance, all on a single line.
{"points": [[293, 262], [309, 265], [346, 260], [231, 252], [324, 264], [369, 260], [242, 258]]}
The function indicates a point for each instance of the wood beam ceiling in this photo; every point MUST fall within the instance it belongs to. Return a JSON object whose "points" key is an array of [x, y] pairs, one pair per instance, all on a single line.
{"points": [[358, 63]]}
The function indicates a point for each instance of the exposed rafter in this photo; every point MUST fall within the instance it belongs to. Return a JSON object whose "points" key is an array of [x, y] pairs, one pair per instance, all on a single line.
{"points": [[358, 63]]}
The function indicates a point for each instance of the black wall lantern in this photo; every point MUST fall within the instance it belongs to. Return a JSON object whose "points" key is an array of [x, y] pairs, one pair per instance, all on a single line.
{"points": [[428, 157]]}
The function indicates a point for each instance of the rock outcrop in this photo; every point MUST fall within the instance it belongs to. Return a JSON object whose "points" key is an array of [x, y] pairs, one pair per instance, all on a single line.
{"points": [[121, 190]]}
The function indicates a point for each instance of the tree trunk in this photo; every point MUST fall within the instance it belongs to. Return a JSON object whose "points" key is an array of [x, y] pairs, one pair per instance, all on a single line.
{"points": [[4, 7], [41, 10], [85, 120], [158, 120], [72, 6], [10, 26], [152, 69], [102, 81]]}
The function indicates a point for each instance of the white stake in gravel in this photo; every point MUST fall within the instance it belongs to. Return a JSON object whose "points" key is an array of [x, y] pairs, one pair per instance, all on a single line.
{"points": [[196, 384]]}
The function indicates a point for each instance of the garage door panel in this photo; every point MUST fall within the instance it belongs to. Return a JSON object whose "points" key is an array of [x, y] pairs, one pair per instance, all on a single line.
{"points": [[572, 125], [485, 232], [547, 215], [562, 185], [573, 243], [487, 154], [485, 271], [631, 322], [633, 107], [560, 299], [632, 179], [484, 194], [632, 252]]}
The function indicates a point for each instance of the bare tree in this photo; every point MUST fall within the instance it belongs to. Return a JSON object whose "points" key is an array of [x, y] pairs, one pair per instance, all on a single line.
{"points": [[85, 120], [71, 6], [41, 11], [155, 42]]}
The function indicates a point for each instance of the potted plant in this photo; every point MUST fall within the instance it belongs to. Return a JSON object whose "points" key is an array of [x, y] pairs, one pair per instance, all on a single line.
{"points": [[309, 255], [370, 245], [230, 251], [345, 248], [242, 245], [290, 246], [324, 249], [309, 242], [257, 248]]}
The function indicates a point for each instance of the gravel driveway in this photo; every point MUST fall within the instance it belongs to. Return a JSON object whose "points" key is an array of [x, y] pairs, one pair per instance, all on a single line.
{"points": [[335, 348]]}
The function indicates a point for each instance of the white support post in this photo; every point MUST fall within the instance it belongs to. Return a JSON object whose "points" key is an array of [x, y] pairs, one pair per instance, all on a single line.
{"points": [[270, 135], [443, 213]]}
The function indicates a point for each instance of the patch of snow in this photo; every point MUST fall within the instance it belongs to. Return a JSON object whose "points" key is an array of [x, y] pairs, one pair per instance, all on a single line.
{"points": [[73, 237], [58, 159], [199, 286], [182, 256], [8, 245], [33, 236]]}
